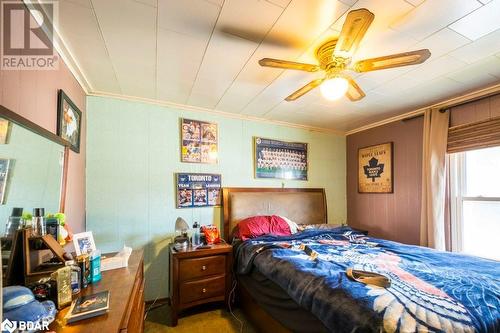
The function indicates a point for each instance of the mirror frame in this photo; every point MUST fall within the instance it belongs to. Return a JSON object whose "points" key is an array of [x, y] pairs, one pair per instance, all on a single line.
{"points": [[37, 129]]}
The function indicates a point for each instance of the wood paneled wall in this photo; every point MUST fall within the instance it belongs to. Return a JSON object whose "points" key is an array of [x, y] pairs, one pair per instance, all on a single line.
{"points": [[394, 216]]}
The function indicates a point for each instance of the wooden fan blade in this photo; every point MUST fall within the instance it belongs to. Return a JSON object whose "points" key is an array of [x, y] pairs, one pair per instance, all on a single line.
{"points": [[392, 61], [277, 63], [308, 87], [355, 26], [354, 92]]}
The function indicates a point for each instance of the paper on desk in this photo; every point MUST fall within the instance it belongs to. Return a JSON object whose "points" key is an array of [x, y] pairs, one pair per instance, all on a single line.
{"points": [[119, 260]]}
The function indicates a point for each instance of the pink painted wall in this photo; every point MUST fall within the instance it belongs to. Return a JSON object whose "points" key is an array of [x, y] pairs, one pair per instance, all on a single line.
{"points": [[33, 95], [394, 216]]}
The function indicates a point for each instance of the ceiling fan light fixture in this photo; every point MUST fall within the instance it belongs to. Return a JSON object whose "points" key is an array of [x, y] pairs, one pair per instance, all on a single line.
{"points": [[334, 88]]}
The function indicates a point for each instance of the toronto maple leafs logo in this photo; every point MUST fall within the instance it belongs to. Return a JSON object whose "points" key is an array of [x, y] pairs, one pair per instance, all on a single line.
{"points": [[373, 169]]}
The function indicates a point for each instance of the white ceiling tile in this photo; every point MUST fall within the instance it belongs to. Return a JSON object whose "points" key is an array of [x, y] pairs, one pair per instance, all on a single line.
{"points": [[349, 2], [78, 28], [130, 36], [480, 22], [195, 18], [442, 42], [177, 66], [433, 15], [281, 3], [436, 68], [481, 48], [227, 53], [483, 72], [415, 2], [292, 25], [85, 3], [151, 3]]}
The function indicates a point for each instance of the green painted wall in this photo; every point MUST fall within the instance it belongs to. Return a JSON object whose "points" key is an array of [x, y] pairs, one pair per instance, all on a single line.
{"points": [[35, 172], [132, 155]]}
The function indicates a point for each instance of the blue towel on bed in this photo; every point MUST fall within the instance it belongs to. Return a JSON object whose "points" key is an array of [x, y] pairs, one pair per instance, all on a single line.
{"points": [[430, 290]]}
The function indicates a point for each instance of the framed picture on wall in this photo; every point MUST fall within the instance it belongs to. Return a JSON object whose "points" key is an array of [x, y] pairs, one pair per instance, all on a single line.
{"points": [[199, 141], [69, 121], [198, 190], [375, 169], [274, 159]]}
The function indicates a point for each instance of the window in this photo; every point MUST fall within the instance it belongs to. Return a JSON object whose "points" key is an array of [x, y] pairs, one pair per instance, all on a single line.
{"points": [[475, 202]]}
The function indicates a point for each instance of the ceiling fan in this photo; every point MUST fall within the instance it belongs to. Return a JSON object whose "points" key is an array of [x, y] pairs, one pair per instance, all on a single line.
{"points": [[335, 55]]}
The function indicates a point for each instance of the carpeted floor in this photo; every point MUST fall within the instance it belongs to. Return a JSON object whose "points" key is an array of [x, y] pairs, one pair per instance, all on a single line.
{"points": [[203, 320]]}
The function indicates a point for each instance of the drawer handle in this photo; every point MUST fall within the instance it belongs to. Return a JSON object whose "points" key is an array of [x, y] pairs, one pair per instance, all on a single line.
{"points": [[203, 268], [203, 290]]}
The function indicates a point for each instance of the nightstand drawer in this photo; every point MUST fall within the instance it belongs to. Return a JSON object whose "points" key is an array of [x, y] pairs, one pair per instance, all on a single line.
{"points": [[197, 290], [201, 267]]}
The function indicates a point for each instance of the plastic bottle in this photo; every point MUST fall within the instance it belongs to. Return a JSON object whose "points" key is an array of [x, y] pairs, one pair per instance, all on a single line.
{"points": [[196, 235]]}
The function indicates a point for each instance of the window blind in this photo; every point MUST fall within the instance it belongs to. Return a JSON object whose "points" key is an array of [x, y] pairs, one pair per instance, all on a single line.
{"points": [[476, 135]]}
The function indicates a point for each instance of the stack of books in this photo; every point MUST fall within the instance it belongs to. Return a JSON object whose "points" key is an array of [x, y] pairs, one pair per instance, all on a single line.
{"points": [[88, 306]]}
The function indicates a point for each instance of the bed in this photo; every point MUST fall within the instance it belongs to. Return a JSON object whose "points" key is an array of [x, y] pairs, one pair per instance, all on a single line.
{"points": [[298, 283]]}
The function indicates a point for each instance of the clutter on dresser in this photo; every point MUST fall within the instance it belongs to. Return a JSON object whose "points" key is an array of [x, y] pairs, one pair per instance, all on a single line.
{"points": [[88, 306]]}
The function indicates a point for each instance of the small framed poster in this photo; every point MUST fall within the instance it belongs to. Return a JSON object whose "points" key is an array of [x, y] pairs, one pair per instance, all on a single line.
{"points": [[199, 141], [280, 159], [375, 169], [69, 121], [84, 243], [198, 190]]}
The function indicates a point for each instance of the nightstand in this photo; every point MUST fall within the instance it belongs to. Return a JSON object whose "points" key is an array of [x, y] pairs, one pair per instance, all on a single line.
{"points": [[199, 277]]}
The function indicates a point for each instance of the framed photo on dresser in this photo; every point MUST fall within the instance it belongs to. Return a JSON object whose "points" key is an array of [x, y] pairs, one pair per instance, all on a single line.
{"points": [[375, 169]]}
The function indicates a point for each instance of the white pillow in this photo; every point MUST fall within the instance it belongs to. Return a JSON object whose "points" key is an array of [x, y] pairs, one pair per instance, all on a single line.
{"points": [[293, 226]]}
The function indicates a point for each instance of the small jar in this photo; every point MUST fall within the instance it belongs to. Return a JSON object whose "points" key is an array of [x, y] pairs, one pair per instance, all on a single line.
{"points": [[75, 277]]}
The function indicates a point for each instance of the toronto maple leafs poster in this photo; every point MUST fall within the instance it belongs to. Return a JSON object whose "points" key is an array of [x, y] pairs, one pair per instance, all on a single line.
{"points": [[198, 190], [280, 159], [375, 169]]}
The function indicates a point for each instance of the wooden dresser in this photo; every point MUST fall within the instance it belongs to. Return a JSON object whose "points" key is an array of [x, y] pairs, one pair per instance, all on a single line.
{"points": [[199, 276], [126, 307]]}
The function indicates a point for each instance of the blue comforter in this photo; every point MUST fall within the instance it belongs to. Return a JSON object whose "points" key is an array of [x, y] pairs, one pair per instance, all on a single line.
{"points": [[430, 290]]}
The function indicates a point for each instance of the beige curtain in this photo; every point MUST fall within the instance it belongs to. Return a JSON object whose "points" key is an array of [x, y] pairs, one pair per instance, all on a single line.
{"points": [[432, 219]]}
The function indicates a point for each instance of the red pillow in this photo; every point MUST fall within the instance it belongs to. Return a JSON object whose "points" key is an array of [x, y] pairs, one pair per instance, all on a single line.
{"points": [[261, 225]]}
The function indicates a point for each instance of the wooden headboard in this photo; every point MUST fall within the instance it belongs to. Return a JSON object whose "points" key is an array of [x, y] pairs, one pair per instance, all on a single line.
{"points": [[301, 205]]}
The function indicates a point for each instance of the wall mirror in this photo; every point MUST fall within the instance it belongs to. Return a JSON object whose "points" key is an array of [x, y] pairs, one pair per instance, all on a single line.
{"points": [[32, 171]]}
